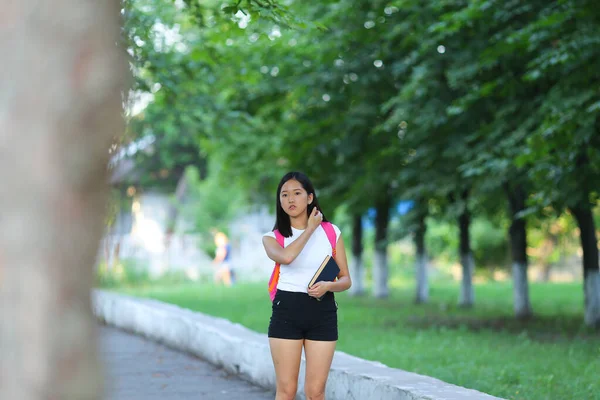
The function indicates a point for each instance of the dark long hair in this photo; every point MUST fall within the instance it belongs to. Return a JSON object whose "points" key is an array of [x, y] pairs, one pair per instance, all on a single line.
{"points": [[282, 223]]}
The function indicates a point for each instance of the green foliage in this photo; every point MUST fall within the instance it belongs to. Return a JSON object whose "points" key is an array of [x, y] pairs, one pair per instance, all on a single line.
{"points": [[489, 94], [490, 243], [132, 273], [441, 240], [402, 99], [166, 69], [212, 203], [536, 71], [123, 273], [556, 238]]}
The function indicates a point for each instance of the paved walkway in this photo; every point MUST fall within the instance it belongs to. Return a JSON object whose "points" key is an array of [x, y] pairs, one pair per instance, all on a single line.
{"points": [[138, 369]]}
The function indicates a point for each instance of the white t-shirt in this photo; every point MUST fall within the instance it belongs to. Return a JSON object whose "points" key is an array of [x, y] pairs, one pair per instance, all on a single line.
{"points": [[295, 277]]}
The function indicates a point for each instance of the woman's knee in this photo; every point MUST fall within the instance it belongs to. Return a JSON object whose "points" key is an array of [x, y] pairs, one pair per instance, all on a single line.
{"points": [[314, 391], [287, 391]]}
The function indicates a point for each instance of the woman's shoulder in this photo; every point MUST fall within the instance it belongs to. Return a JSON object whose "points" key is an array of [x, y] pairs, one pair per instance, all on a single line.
{"points": [[334, 226], [269, 234]]}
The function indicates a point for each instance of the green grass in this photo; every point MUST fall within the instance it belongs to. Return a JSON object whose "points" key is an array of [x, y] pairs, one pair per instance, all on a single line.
{"points": [[550, 357]]}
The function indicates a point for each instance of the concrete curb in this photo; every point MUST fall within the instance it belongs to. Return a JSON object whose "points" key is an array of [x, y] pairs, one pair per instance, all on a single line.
{"points": [[246, 353]]}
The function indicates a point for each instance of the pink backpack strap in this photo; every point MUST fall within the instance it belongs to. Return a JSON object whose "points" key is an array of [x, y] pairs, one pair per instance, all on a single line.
{"points": [[279, 237], [328, 228], [275, 274]]}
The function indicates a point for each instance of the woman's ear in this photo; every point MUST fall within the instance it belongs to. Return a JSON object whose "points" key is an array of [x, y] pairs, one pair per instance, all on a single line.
{"points": [[310, 198]]}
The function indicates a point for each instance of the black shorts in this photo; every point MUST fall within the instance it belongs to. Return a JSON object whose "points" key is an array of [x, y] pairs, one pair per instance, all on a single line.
{"points": [[298, 316]]}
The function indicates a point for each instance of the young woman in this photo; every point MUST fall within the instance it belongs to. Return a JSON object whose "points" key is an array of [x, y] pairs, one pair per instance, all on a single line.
{"points": [[299, 319]]}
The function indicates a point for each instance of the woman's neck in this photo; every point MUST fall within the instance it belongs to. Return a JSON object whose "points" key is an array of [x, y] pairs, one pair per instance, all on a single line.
{"points": [[299, 222]]}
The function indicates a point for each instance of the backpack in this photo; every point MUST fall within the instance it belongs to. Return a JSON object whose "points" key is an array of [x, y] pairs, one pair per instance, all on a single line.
{"points": [[327, 227]]}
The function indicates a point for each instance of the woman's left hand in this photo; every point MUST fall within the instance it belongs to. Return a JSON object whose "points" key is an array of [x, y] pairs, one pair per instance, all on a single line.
{"points": [[318, 289]]}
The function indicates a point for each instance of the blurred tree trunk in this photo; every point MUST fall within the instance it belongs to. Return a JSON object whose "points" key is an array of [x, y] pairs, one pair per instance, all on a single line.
{"points": [[175, 204], [467, 294], [584, 216], [60, 108], [380, 266], [422, 294], [357, 269], [518, 245], [591, 267]]}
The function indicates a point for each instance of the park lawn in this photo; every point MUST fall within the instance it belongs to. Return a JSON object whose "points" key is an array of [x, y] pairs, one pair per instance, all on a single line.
{"points": [[551, 357]]}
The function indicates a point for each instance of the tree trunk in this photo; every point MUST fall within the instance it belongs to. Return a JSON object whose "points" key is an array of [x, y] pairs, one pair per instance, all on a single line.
{"points": [[380, 267], [467, 294], [422, 295], [175, 203], [591, 267], [173, 211], [518, 245], [60, 106], [357, 270]]}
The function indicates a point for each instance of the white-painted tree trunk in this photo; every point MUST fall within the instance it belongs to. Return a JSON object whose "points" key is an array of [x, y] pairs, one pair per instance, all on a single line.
{"points": [[521, 290], [591, 261], [517, 197], [380, 274], [422, 295], [467, 294], [60, 106], [357, 274], [592, 298], [357, 269], [380, 267]]}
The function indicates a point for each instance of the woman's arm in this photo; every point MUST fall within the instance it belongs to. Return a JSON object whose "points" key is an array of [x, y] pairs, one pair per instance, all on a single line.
{"points": [[343, 282], [285, 255]]}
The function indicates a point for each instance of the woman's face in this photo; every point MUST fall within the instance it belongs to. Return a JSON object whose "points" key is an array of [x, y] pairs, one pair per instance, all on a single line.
{"points": [[294, 198]]}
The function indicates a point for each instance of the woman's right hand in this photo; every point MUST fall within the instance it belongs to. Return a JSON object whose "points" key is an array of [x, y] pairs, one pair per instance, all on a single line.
{"points": [[314, 219]]}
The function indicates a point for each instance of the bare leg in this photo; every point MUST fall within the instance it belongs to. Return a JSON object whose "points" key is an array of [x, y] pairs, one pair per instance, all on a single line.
{"points": [[318, 362], [286, 355], [226, 274], [223, 274]]}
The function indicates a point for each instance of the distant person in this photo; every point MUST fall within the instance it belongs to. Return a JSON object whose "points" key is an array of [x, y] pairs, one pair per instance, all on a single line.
{"points": [[298, 319], [224, 272]]}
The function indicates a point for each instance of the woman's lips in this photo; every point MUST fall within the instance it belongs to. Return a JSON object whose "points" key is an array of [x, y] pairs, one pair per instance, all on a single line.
{"points": [[292, 207]]}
